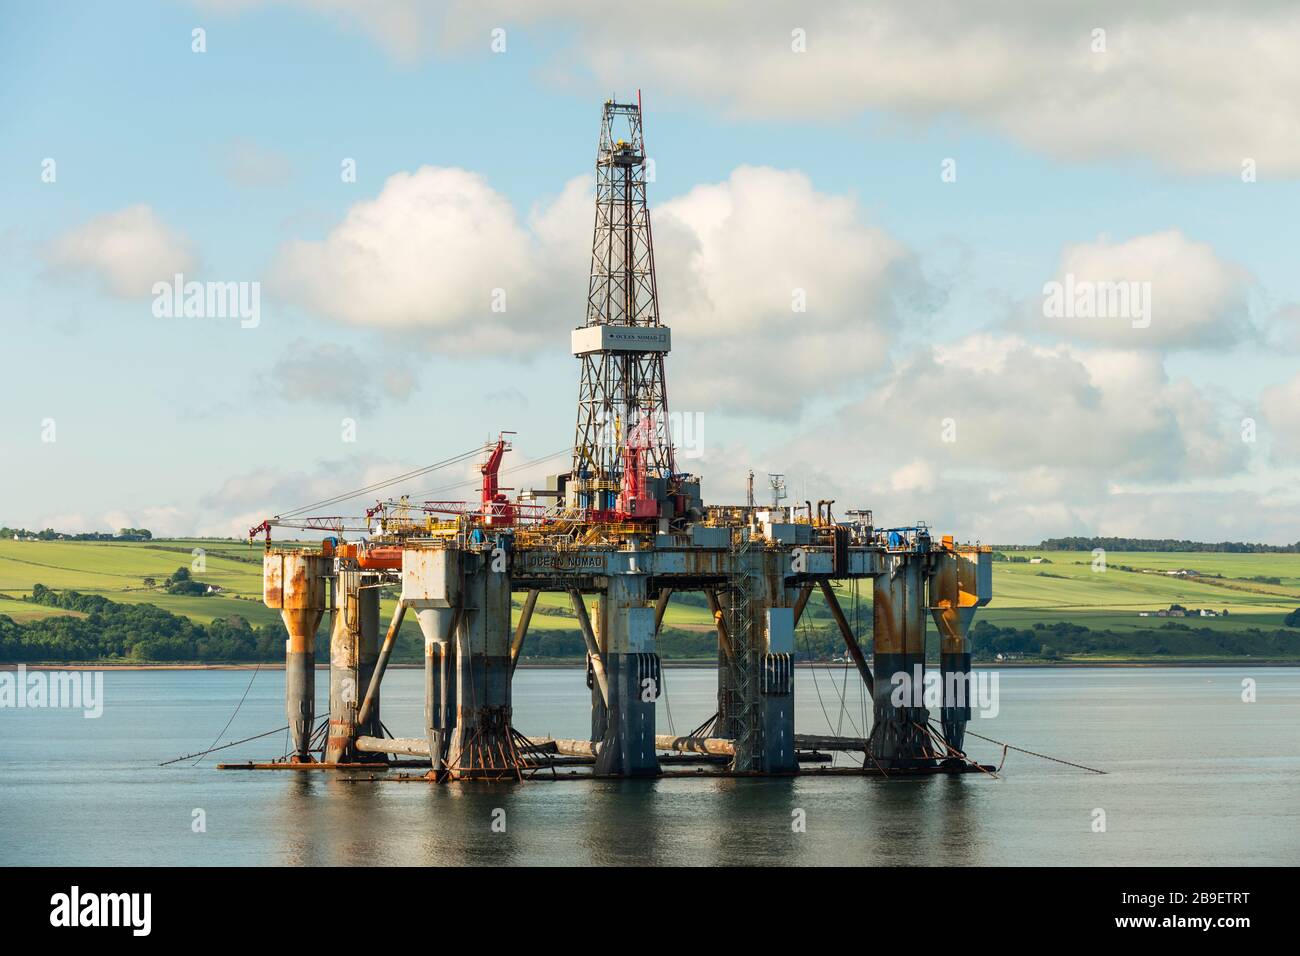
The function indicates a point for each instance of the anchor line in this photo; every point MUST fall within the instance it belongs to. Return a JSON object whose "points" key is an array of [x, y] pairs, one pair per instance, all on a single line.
{"points": [[663, 685], [1006, 746], [817, 687], [705, 729], [319, 738], [953, 752], [256, 671], [235, 743]]}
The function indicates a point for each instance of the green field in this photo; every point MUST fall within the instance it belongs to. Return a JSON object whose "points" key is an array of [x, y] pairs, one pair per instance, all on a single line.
{"points": [[117, 570], [1068, 589], [1064, 588]]}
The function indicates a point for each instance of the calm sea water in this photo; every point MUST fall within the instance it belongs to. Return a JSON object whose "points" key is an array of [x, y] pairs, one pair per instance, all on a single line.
{"points": [[1195, 776]]}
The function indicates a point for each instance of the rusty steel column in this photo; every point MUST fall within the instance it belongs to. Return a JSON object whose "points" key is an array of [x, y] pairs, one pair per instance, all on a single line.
{"points": [[437, 625], [482, 743], [898, 737], [342, 666], [368, 641], [626, 634], [431, 587], [293, 582], [354, 648], [962, 582]]}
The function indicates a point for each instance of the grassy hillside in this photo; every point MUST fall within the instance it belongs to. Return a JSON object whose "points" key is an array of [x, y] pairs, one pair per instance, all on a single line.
{"points": [[1256, 589], [1068, 589], [117, 571]]}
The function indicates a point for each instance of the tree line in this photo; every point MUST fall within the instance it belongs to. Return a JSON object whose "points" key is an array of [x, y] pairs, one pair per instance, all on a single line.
{"points": [[111, 631], [1173, 639], [49, 534], [106, 630], [1164, 544]]}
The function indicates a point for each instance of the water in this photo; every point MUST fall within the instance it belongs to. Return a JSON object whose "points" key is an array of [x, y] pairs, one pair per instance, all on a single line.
{"points": [[1196, 776]]}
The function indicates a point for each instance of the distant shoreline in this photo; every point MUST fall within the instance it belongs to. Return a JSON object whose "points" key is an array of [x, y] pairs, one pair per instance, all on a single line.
{"points": [[578, 665]]}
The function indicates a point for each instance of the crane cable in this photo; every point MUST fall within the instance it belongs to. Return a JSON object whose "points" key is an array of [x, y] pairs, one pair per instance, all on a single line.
{"points": [[376, 486], [507, 471]]}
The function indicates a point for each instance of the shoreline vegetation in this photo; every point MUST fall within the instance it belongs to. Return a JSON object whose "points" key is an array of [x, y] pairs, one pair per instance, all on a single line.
{"points": [[122, 602], [671, 664], [110, 633], [1152, 545]]}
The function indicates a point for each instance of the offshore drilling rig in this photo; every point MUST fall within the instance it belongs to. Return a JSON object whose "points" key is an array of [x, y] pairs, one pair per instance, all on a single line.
{"points": [[625, 526]]}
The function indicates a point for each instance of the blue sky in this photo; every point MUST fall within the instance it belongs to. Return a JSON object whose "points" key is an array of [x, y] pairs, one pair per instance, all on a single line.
{"points": [[926, 294]]}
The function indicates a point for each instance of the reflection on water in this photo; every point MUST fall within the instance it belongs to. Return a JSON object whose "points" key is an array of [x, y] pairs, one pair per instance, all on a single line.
{"points": [[1196, 776]]}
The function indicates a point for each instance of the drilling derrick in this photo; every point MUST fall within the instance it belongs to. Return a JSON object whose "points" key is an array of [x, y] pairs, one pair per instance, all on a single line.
{"points": [[622, 450]]}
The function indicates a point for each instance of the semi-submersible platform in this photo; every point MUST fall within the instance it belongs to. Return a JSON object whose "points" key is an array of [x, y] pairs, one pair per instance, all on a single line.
{"points": [[626, 528]]}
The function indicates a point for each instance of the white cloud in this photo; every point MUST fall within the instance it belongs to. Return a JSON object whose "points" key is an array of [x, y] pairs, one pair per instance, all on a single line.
{"points": [[330, 374], [127, 251], [1048, 441], [973, 510], [775, 292], [248, 164], [162, 520], [1030, 504], [244, 500], [1283, 327], [1155, 291], [917, 475], [1016, 406], [425, 256], [1193, 85], [1280, 409], [67, 522], [429, 253]]}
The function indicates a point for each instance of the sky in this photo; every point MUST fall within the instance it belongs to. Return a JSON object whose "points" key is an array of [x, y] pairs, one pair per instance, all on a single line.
{"points": [[877, 231]]}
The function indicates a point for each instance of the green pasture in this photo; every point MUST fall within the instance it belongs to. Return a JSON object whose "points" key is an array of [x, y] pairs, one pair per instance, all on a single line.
{"points": [[1066, 587]]}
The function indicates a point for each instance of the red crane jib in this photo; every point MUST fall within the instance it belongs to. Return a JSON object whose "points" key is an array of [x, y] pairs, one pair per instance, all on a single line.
{"points": [[497, 509]]}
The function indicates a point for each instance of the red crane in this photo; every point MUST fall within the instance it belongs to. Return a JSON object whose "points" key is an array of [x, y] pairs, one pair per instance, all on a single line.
{"points": [[497, 509], [635, 499]]}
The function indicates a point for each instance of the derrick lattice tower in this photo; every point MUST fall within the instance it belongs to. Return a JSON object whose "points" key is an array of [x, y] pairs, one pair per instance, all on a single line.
{"points": [[622, 448]]}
